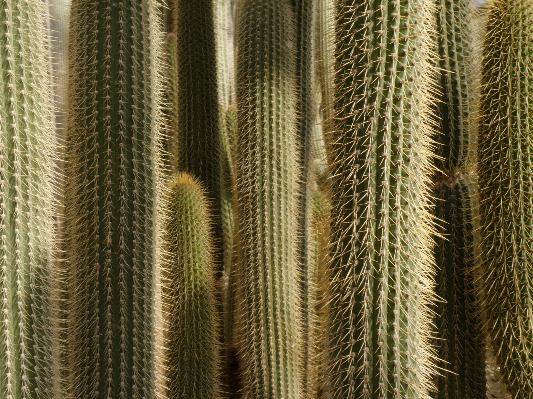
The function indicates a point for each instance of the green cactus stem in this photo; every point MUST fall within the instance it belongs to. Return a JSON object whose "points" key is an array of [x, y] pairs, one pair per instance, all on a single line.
{"points": [[197, 128], [505, 190], [382, 265], [460, 342], [267, 197], [112, 223], [189, 293], [27, 191]]}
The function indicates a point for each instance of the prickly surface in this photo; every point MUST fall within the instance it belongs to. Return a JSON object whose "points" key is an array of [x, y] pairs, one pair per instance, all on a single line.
{"points": [[27, 194], [197, 109], [112, 223], [460, 342], [189, 293], [505, 177], [382, 267], [267, 183]]}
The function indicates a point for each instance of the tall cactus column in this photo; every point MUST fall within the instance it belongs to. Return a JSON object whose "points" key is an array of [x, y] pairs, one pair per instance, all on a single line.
{"points": [[505, 174], [460, 343], [113, 147], [27, 192], [267, 177], [382, 267]]}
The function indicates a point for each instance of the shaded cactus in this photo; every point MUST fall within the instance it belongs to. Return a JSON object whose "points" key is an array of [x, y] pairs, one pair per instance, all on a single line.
{"points": [[189, 294], [171, 97], [112, 224], [460, 344], [27, 194], [197, 134], [505, 185], [267, 183], [382, 265]]}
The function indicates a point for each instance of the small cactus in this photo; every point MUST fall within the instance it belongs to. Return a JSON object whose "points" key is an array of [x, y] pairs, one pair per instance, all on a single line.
{"points": [[189, 294], [382, 265], [505, 191], [113, 197], [27, 194], [267, 197]]}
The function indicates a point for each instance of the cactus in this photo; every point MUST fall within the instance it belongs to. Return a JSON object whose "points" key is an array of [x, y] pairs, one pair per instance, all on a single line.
{"points": [[27, 191], [112, 223], [189, 293], [382, 267], [460, 344], [505, 184], [317, 297], [197, 131], [171, 96], [267, 176]]}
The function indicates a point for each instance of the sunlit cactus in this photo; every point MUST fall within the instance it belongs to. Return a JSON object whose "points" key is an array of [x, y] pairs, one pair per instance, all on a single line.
{"points": [[267, 195], [112, 198], [192, 358], [505, 185], [382, 264], [28, 190]]}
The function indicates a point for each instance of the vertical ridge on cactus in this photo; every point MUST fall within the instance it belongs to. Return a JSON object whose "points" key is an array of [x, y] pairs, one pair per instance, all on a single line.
{"points": [[382, 263], [505, 190], [27, 202], [189, 293], [113, 172], [267, 196]]}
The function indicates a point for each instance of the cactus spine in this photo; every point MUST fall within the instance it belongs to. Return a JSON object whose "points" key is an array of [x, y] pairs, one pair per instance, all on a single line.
{"points": [[113, 172], [460, 344], [267, 176], [192, 325], [505, 183], [27, 191], [382, 267]]}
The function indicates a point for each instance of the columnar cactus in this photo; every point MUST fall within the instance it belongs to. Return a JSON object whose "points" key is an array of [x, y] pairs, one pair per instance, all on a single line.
{"points": [[382, 266], [267, 183], [113, 173], [505, 174], [459, 343], [189, 294], [27, 192]]}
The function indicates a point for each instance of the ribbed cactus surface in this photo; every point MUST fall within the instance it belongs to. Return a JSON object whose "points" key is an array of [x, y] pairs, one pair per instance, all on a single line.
{"points": [[189, 294], [460, 343], [382, 266], [505, 182], [112, 223], [267, 183], [27, 193]]}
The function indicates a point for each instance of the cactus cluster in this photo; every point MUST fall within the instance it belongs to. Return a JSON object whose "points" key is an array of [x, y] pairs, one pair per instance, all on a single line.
{"points": [[267, 199]]}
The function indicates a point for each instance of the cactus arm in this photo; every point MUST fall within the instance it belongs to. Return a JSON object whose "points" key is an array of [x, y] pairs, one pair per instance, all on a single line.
{"points": [[192, 342], [267, 201], [114, 150], [505, 191], [382, 267], [27, 190]]}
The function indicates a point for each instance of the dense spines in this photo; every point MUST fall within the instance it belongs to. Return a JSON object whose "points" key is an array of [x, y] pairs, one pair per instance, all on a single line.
{"points": [[505, 190], [197, 107], [267, 185], [27, 195], [460, 344], [189, 294], [112, 197], [382, 266]]}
